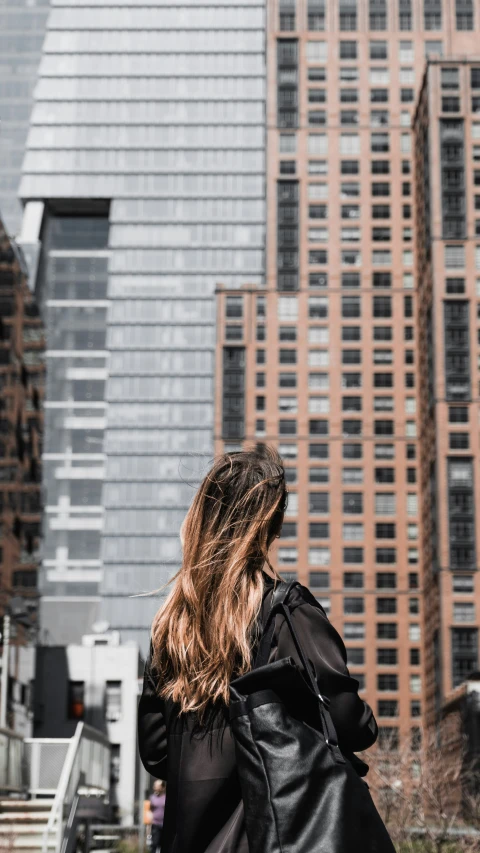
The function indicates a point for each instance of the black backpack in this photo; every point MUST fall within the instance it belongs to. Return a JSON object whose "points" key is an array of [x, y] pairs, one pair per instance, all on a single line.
{"points": [[300, 794]]}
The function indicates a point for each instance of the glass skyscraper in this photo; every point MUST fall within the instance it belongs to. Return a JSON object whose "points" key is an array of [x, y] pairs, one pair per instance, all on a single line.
{"points": [[22, 28], [144, 178]]}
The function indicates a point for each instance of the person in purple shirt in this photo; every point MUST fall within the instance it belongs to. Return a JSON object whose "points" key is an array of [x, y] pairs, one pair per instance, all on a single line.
{"points": [[157, 807]]}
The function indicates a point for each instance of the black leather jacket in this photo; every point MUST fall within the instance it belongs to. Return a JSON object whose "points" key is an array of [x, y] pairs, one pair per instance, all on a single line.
{"points": [[204, 811]]}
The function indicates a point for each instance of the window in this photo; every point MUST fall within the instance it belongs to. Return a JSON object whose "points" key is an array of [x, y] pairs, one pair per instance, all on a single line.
{"points": [[378, 14], [349, 143], [317, 51], [385, 503], [432, 14], [288, 143], [387, 682], [352, 503], [115, 763], [318, 451], [433, 48], [352, 555], [287, 167], [380, 142], [319, 503], [234, 307], [414, 657], [316, 15], [387, 631], [387, 657], [464, 653], [464, 611], [319, 530], [353, 531], [347, 15], [349, 167], [348, 96], [319, 556], [464, 14], [415, 684], [356, 657], [319, 580], [354, 631], [348, 117], [348, 74], [387, 708], [386, 606], [348, 50], [463, 584], [378, 50], [380, 189], [353, 606], [113, 701], [76, 700], [287, 555]]}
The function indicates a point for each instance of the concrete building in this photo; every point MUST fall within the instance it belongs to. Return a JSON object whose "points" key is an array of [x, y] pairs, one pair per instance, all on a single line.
{"points": [[22, 379], [144, 185], [324, 361], [22, 28], [95, 681], [447, 154]]}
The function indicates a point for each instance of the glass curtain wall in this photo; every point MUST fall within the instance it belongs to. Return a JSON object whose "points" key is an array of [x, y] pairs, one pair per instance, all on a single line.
{"points": [[22, 28], [164, 117]]}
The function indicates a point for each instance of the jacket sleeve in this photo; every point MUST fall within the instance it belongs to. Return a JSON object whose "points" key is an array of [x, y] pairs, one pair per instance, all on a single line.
{"points": [[152, 730], [353, 719]]}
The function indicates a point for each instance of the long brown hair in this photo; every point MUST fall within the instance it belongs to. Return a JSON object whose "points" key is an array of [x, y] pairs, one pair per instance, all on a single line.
{"points": [[202, 635]]}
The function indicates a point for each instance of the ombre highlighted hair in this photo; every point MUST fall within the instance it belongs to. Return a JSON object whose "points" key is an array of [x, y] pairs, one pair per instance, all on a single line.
{"points": [[202, 636]]}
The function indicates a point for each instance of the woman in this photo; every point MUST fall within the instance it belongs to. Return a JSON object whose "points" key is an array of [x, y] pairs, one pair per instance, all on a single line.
{"points": [[157, 808], [206, 634]]}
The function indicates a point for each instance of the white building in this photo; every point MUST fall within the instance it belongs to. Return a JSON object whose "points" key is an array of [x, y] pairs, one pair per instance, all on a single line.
{"points": [[95, 681]]}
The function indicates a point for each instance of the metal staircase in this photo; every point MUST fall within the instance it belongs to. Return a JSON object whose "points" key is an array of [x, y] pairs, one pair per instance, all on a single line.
{"points": [[52, 786], [23, 824]]}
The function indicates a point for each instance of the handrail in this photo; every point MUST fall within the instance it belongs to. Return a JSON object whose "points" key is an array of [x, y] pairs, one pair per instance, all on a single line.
{"points": [[56, 812], [74, 774]]}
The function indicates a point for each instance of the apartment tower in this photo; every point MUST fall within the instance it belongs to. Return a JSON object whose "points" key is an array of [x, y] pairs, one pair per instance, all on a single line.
{"points": [[22, 379], [447, 155], [324, 361], [144, 185]]}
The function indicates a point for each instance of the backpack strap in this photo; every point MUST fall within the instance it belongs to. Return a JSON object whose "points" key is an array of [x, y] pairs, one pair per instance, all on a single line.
{"points": [[279, 597]]}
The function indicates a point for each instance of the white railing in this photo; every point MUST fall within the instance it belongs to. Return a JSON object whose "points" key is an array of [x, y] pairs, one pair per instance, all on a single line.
{"points": [[67, 767], [12, 763]]}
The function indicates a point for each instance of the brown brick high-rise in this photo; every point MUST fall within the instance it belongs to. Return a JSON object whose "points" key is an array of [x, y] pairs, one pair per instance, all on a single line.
{"points": [[22, 377], [324, 361]]}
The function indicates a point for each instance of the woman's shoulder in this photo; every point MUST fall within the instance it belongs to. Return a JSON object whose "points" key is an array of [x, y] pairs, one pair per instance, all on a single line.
{"points": [[299, 595]]}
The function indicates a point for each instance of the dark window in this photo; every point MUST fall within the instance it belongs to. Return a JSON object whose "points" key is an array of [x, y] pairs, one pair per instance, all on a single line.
{"points": [[352, 503], [353, 580], [387, 630], [353, 606], [386, 606], [386, 580], [319, 580], [353, 555], [319, 530], [76, 700], [387, 681], [356, 657], [319, 503], [385, 555], [387, 708], [385, 530], [348, 50], [387, 657], [318, 451], [464, 653], [350, 167]]}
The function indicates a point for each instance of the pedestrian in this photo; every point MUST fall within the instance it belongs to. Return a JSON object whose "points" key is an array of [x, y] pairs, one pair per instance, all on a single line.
{"points": [[157, 808], [207, 633]]}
